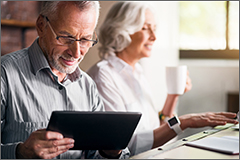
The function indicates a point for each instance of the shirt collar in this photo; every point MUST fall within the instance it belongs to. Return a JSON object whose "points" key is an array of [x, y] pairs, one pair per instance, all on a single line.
{"points": [[121, 65], [37, 58], [39, 62], [76, 75]]}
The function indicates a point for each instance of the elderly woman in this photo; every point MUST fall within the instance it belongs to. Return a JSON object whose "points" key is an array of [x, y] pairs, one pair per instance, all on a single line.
{"points": [[126, 36]]}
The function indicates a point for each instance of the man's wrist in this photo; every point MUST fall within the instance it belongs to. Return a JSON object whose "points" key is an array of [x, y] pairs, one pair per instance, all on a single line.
{"points": [[103, 154], [18, 151]]}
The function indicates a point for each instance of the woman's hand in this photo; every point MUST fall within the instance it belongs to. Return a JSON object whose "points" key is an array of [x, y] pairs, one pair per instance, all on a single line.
{"points": [[188, 83], [211, 119]]}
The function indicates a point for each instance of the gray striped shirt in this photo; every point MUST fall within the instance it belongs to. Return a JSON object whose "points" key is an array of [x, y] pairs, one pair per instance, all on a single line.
{"points": [[30, 91]]}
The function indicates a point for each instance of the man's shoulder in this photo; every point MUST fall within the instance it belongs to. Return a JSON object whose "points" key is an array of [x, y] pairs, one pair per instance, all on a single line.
{"points": [[14, 57]]}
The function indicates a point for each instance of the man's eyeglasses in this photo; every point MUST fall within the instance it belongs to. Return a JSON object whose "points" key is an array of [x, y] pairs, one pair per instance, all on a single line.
{"points": [[65, 40]]}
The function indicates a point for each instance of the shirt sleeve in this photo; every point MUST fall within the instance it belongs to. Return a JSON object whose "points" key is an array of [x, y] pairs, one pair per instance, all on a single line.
{"points": [[97, 99], [3, 98], [7, 150], [141, 142], [93, 154]]}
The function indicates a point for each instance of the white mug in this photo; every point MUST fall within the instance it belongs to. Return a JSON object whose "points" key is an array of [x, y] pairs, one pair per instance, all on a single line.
{"points": [[176, 79]]}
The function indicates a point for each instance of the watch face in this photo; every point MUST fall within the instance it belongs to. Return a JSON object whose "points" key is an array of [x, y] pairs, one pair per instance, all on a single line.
{"points": [[173, 121]]}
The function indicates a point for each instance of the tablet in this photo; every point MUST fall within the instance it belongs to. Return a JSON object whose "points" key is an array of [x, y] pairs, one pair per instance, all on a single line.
{"points": [[95, 130]]}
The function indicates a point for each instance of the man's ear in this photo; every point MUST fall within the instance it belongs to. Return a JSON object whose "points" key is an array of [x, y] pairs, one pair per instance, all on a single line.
{"points": [[40, 24]]}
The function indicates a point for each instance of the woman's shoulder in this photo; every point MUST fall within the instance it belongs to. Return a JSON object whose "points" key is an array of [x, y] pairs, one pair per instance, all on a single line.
{"points": [[100, 68]]}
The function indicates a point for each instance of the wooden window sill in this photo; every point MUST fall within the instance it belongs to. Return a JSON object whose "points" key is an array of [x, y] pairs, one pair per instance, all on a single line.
{"points": [[17, 23]]}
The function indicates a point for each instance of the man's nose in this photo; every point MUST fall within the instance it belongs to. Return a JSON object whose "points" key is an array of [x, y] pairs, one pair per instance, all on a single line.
{"points": [[76, 50]]}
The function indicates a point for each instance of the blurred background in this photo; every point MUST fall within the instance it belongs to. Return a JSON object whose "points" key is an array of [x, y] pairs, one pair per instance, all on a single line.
{"points": [[204, 35]]}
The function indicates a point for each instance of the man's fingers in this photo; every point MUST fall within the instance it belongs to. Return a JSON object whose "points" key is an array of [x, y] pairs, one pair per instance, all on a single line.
{"points": [[61, 148], [42, 134], [48, 135], [52, 148], [68, 142], [45, 155]]}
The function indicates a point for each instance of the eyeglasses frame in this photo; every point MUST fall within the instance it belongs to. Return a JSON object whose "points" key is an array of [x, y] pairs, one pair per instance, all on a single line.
{"points": [[57, 37]]}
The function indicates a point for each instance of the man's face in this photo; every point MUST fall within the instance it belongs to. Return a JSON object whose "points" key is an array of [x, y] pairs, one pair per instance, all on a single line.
{"points": [[71, 22]]}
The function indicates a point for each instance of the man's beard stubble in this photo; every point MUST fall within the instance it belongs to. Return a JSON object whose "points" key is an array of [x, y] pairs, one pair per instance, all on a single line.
{"points": [[53, 60]]}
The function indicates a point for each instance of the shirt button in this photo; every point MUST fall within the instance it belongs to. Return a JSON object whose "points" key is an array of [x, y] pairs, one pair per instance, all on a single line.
{"points": [[60, 87]]}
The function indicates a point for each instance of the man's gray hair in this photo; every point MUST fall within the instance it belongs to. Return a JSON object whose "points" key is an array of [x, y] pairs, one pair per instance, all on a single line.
{"points": [[49, 8], [123, 19]]}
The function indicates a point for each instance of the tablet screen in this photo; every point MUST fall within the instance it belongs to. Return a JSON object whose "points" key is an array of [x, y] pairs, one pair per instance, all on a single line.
{"points": [[95, 130]]}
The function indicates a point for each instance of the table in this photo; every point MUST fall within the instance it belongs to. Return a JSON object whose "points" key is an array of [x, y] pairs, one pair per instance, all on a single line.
{"points": [[177, 150]]}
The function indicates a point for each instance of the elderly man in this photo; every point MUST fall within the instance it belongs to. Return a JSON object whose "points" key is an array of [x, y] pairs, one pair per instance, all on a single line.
{"points": [[46, 77]]}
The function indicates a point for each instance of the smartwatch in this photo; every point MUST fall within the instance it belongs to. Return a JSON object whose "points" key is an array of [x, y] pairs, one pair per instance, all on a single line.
{"points": [[174, 123]]}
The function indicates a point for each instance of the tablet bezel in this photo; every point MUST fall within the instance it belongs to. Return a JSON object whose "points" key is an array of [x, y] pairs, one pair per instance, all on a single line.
{"points": [[101, 130]]}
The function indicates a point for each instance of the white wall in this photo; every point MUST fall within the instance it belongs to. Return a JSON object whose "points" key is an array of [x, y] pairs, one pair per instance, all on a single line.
{"points": [[165, 50], [212, 80], [92, 56]]}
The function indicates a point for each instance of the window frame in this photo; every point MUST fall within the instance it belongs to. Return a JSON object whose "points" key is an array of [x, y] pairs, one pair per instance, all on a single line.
{"points": [[212, 54]]}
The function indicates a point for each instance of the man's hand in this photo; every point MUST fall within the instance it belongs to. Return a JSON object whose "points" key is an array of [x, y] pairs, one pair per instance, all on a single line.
{"points": [[44, 144]]}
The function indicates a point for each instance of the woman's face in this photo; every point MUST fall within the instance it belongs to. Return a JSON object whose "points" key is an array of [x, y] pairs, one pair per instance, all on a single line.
{"points": [[142, 41]]}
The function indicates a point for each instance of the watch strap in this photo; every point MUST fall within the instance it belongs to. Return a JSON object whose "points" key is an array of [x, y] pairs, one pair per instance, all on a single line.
{"points": [[177, 129], [174, 123]]}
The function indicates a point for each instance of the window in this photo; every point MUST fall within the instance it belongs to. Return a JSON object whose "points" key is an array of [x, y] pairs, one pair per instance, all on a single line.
{"points": [[209, 29]]}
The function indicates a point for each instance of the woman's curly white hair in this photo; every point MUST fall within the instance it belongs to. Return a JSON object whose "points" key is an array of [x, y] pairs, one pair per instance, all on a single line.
{"points": [[123, 19]]}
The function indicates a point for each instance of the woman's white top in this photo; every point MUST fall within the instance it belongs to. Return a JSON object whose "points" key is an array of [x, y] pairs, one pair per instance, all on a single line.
{"points": [[125, 89]]}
